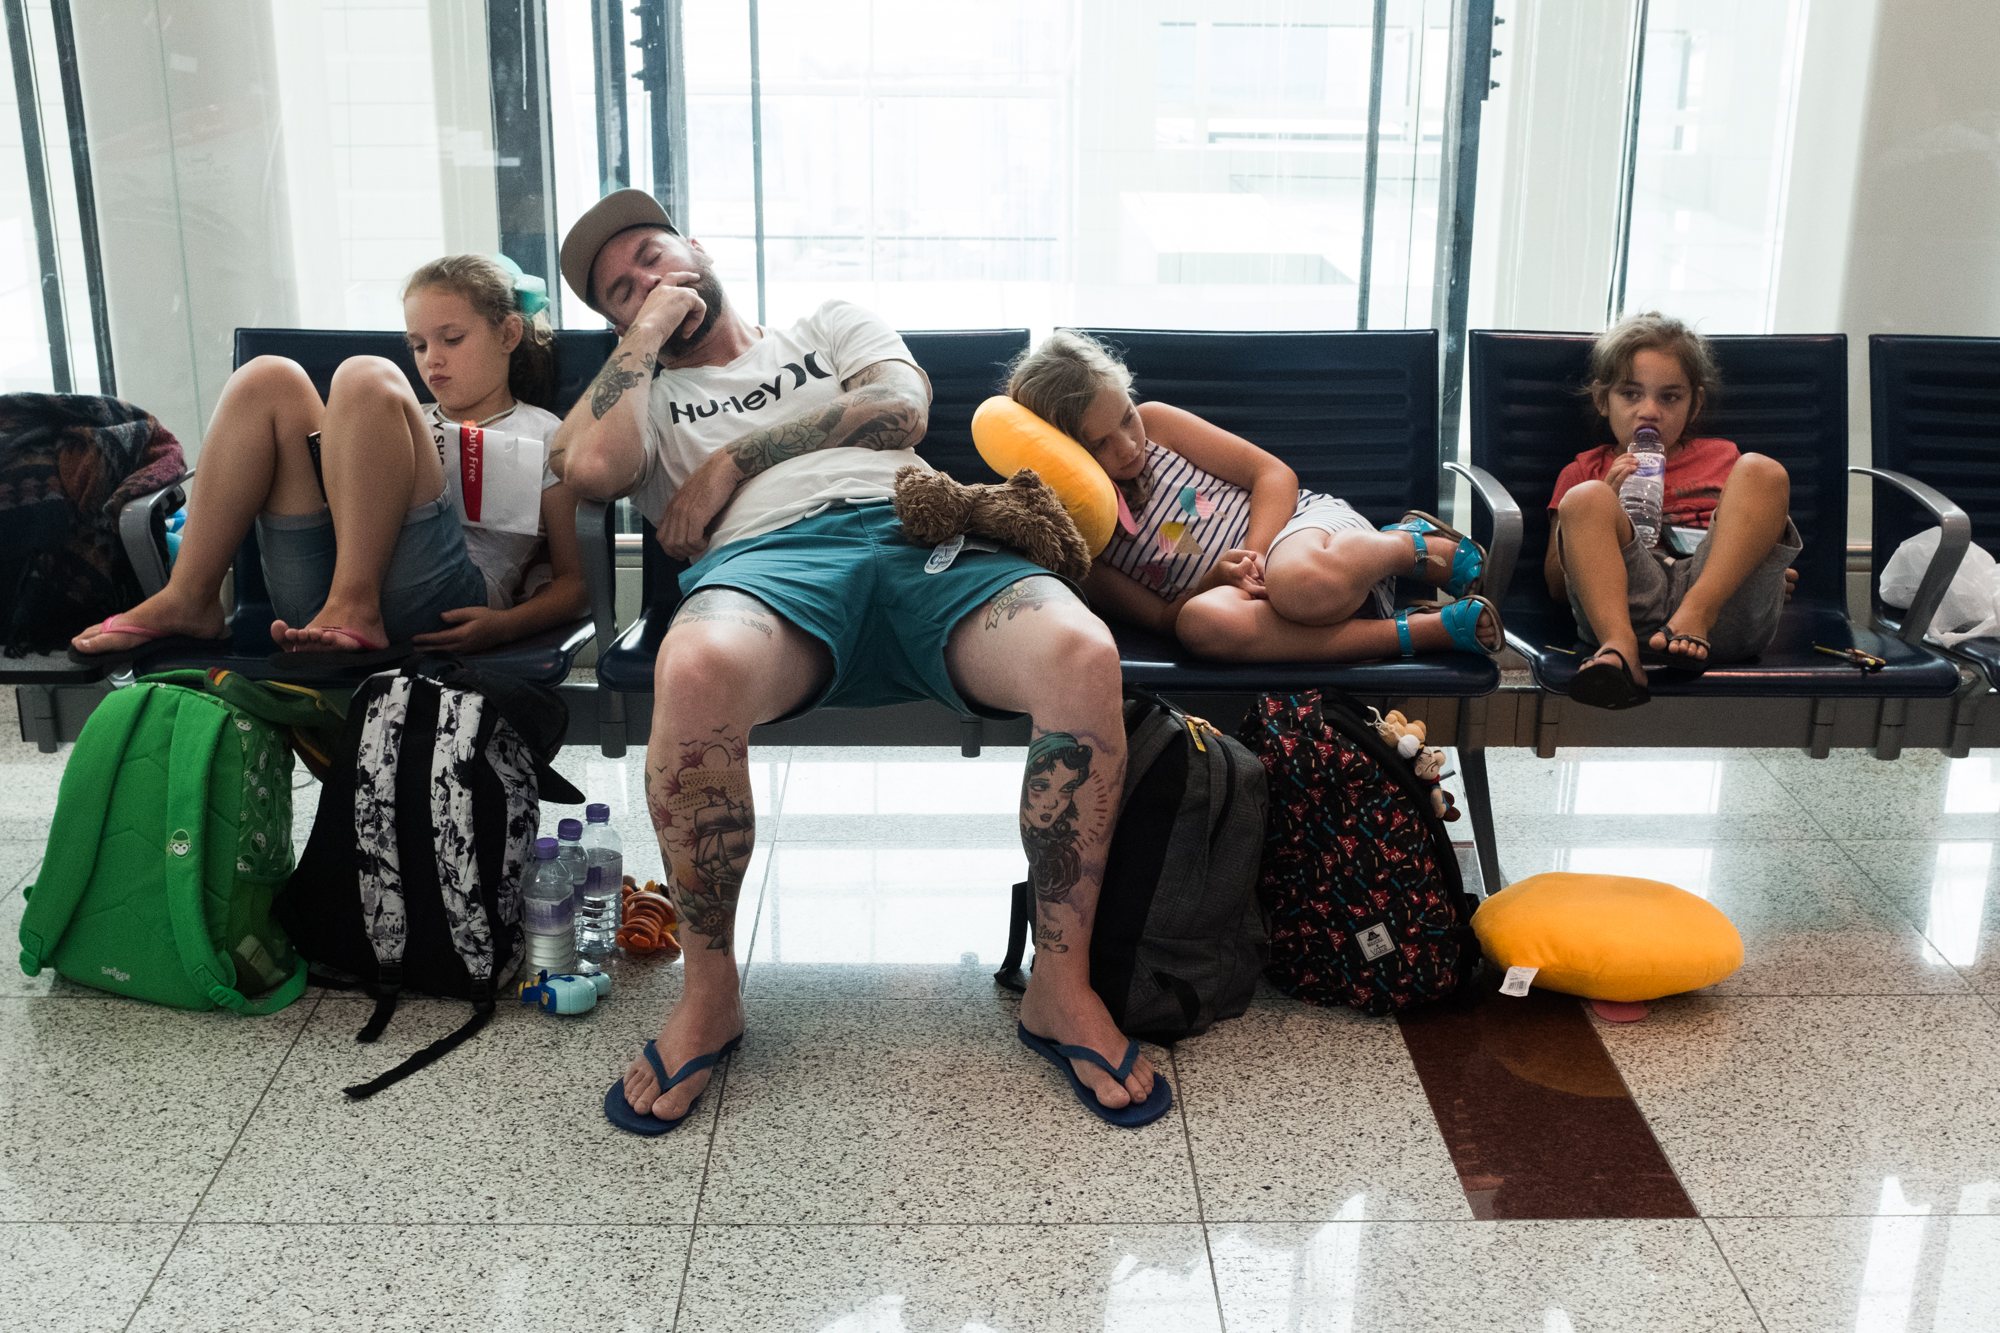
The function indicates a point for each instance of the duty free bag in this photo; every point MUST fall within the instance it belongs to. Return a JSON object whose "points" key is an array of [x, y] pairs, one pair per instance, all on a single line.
{"points": [[494, 477], [1971, 605]]}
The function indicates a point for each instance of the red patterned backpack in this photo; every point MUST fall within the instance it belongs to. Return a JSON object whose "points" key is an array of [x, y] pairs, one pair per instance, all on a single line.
{"points": [[1359, 881]]}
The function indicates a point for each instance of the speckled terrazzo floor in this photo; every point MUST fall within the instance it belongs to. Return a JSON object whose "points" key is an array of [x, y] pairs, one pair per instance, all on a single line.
{"points": [[882, 1156]]}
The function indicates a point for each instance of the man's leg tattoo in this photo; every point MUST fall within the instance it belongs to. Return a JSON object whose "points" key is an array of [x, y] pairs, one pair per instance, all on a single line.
{"points": [[701, 804], [1064, 809]]}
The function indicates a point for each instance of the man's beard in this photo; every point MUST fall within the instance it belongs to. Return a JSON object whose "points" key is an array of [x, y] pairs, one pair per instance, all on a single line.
{"points": [[709, 289]]}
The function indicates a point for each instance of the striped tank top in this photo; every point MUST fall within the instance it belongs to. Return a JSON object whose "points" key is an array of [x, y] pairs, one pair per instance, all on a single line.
{"points": [[1191, 519]]}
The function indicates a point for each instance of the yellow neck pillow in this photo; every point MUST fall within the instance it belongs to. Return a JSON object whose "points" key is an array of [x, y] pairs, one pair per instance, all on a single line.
{"points": [[1608, 937], [1010, 437]]}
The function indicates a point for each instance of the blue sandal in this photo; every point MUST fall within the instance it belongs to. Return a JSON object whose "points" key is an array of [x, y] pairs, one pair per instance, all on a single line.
{"points": [[1125, 1117], [1461, 621], [620, 1112], [1468, 561]]}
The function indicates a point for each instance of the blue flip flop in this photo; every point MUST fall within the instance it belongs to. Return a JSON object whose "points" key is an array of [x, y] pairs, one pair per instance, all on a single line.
{"points": [[619, 1111], [1125, 1117]]}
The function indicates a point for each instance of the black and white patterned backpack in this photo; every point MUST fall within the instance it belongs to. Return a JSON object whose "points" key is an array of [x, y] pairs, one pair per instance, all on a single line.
{"points": [[412, 878]]}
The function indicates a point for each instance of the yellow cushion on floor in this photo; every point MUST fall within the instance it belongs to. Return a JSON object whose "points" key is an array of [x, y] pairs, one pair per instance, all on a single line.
{"points": [[1010, 437], [1608, 937]]}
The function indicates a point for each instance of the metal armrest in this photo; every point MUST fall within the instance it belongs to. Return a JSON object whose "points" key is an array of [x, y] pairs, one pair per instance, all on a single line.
{"points": [[600, 574], [1505, 548], [135, 532], [1955, 537]]}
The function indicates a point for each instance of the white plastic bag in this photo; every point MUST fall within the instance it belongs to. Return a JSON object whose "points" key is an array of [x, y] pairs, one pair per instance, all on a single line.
{"points": [[495, 479], [1971, 605]]}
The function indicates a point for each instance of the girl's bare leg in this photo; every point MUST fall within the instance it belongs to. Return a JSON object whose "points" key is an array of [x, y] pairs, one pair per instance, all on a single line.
{"points": [[1748, 522], [1316, 581], [379, 463], [1230, 625], [253, 458], [1594, 533], [1320, 578]]}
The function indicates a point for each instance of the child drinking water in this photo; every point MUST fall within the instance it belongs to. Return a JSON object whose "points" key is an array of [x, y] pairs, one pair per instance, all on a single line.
{"points": [[366, 548], [1225, 552], [1719, 603]]}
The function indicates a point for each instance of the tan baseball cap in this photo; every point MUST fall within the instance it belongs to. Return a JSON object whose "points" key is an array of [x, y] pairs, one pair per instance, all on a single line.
{"points": [[599, 223]]}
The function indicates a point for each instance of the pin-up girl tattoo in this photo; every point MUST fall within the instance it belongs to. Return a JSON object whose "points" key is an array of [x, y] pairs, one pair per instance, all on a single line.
{"points": [[1058, 764]]}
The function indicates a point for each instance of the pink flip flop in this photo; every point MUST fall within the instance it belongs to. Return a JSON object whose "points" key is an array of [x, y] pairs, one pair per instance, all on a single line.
{"points": [[362, 654], [116, 657], [358, 644]]}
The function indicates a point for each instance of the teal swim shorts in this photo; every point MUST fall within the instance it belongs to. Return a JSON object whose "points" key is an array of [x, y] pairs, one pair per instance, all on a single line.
{"points": [[852, 580]]}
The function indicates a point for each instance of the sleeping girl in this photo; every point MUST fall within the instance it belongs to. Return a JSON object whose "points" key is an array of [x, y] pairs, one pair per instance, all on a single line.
{"points": [[1217, 545]]}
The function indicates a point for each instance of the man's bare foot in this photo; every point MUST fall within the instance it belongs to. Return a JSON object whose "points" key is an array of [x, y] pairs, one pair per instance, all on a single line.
{"points": [[337, 628], [694, 1027], [1074, 1016], [166, 612]]}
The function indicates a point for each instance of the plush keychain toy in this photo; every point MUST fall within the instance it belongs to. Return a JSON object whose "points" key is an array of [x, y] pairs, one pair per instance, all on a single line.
{"points": [[566, 993], [1427, 762], [1429, 767], [1405, 736]]}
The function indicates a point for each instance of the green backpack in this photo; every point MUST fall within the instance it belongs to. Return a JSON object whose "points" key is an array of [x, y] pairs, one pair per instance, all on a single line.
{"points": [[172, 833]]}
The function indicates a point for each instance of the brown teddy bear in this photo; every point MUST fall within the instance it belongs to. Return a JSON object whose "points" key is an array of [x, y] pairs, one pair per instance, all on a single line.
{"points": [[1021, 513]]}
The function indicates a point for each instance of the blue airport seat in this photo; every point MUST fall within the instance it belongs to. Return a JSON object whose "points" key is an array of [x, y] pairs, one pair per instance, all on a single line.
{"points": [[1782, 396], [1936, 418], [1354, 415], [544, 658], [966, 368]]}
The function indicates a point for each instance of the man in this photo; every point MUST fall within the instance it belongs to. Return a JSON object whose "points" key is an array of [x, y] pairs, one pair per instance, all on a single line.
{"points": [[767, 457]]}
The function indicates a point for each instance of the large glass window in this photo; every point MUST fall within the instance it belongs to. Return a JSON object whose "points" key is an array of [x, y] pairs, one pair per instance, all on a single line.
{"points": [[389, 158], [1154, 163], [1717, 99], [41, 276]]}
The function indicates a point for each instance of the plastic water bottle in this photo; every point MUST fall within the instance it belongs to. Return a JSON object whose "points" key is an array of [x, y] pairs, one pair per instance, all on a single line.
{"points": [[548, 914], [1644, 490], [569, 851], [597, 907]]}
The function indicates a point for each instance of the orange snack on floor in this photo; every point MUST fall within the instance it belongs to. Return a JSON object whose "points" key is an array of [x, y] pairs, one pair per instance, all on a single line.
{"points": [[647, 920]]}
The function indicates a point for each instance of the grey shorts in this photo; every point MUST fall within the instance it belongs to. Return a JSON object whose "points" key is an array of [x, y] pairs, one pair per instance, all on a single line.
{"points": [[1330, 513], [1655, 584], [429, 572]]}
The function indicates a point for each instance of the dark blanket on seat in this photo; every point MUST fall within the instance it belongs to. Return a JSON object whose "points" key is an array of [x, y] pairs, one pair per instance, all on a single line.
{"points": [[68, 463]]}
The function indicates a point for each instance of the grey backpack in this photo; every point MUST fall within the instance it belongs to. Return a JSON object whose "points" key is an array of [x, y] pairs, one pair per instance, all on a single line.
{"points": [[1179, 939]]}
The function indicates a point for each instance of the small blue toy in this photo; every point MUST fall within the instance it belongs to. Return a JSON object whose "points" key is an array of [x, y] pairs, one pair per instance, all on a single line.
{"points": [[566, 993]]}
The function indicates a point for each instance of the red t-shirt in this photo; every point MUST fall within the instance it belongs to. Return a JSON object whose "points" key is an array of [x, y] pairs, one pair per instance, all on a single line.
{"points": [[1693, 481]]}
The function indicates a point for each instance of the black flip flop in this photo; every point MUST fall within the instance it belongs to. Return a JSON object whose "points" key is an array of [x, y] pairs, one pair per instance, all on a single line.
{"points": [[1668, 660], [1602, 685]]}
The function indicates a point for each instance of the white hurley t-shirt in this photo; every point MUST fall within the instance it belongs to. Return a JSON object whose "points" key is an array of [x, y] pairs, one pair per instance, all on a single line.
{"points": [[693, 412], [508, 559]]}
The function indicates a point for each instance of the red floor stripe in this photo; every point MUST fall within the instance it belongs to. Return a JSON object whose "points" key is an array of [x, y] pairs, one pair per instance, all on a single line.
{"points": [[1538, 1122]]}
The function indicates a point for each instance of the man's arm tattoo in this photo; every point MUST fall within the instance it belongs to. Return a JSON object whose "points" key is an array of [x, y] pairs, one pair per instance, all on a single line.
{"points": [[881, 407], [612, 382], [765, 449], [700, 802]]}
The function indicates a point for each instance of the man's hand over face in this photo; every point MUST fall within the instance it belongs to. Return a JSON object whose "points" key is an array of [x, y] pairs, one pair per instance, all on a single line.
{"points": [[672, 308]]}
